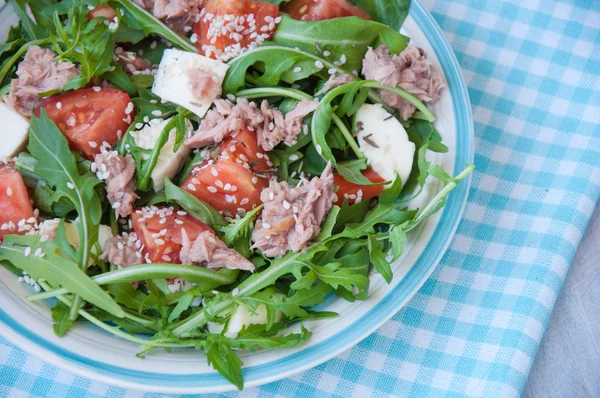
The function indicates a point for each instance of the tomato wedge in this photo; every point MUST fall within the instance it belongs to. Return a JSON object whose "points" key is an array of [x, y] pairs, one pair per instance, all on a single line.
{"points": [[352, 192], [15, 205], [90, 116], [318, 10], [159, 229], [229, 27], [230, 183]]}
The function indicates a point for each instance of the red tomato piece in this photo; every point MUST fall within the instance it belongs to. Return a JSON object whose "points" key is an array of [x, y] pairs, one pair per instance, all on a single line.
{"points": [[230, 182], [318, 10], [229, 27], [159, 229], [103, 10], [90, 116], [14, 202], [354, 191]]}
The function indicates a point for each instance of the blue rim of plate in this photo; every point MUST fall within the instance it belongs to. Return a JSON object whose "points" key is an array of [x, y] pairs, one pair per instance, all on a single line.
{"points": [[359, 329]]}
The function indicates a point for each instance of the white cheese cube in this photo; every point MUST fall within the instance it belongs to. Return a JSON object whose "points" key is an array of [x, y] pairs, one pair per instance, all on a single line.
{"points": [[14, 132], [384, 142], [168, 161], [172, 81]]}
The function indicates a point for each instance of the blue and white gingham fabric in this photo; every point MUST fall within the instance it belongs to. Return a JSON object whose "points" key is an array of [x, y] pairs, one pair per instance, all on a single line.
{"points": [[533, 72]]}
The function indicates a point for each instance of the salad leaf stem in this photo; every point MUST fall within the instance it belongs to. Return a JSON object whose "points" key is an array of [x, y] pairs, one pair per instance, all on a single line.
{"points": [[205, 278]]}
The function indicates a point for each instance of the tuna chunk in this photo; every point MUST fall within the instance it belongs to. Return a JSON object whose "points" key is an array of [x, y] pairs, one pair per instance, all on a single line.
{"points": [[210, 251], [123, 251], [411, 70], [179, 15], [271, 126], [291, 217], [119, 174], [334, 81], [205, 85], [132, 63], [37, 73]]}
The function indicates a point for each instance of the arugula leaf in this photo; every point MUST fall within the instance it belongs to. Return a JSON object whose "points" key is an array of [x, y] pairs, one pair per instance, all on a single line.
{"points": [[335, 275], [378, 258], [197, 208], [127, 295], [61, 319], [237, 229], [30, 28], [151, 25], [117, 76], [182, 305], [223, 359], [294, 306], [391, 13], [328, 224], [351, 170], [55, 269], [348, 36]]}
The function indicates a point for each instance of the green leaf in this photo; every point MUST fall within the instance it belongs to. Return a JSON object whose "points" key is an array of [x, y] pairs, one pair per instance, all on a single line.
{"points": [[391, 13], [127, 295], [151, 25], [182, 305], [55, 269], [57, 165], [391, 194], [60, 317], [237, 229], [32, 30], [349, 36], [197, 208], [335, 275], [224, 360], [351, 214], [256, 336], [328, 224], [351, 170], [294, 306], [398, 240], [378, 259], [120, 79]]}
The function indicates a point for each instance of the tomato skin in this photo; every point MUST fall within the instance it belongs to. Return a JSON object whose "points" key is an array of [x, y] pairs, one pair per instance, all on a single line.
{"points": [[347, 188], [89, 115], [319, 10], [239, 158], [145, 227], [216, 9], [103, 10], [16, 206]]}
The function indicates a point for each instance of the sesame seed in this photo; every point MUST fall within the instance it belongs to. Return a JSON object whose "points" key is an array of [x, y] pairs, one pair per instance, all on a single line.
{"points": [[58, 105], [214, 171], [266, 225], [319, 149], [319, 64], [27, 251], [191, 187], [93, 144], [286, 205], [244, 201], [166, 258], [116, 205], [159, 242], [181, 213], [219, 183], [212, 189], [9, 191], [37, 288], [295, 209], [293, 157], [195, 181], [70, 185], [327, 53], [297, 69], [178, 222], [271, 195], [97, 89]]}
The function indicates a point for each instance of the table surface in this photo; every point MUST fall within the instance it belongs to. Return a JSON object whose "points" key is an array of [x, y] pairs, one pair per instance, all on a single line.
{"points": [[568, 360]]}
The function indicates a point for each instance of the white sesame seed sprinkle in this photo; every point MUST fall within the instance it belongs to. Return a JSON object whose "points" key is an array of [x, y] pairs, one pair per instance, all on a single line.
{"points": [[9, 191]]}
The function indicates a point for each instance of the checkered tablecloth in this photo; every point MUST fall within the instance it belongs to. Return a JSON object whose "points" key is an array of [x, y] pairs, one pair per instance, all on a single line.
{"points": [[533, 72]]}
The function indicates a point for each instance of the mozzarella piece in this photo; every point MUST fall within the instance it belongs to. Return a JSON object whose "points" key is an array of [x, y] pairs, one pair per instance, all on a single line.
{"points": [[168, 161], [241, 318], [14, 132], [172, 83], [393, 151]]}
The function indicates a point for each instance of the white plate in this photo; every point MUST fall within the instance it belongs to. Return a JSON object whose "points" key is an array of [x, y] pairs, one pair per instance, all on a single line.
{"points": [[90, 352]]}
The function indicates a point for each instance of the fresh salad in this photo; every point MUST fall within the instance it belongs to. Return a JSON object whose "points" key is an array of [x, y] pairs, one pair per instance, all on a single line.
{"points": [[202, 173]]}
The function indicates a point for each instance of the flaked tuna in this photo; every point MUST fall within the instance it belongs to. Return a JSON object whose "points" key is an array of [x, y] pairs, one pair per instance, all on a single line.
{"points": [[123, 250], [119, 175], [37, 73], [179, 15], [411, 70], [209, 251], [292, 216]]}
